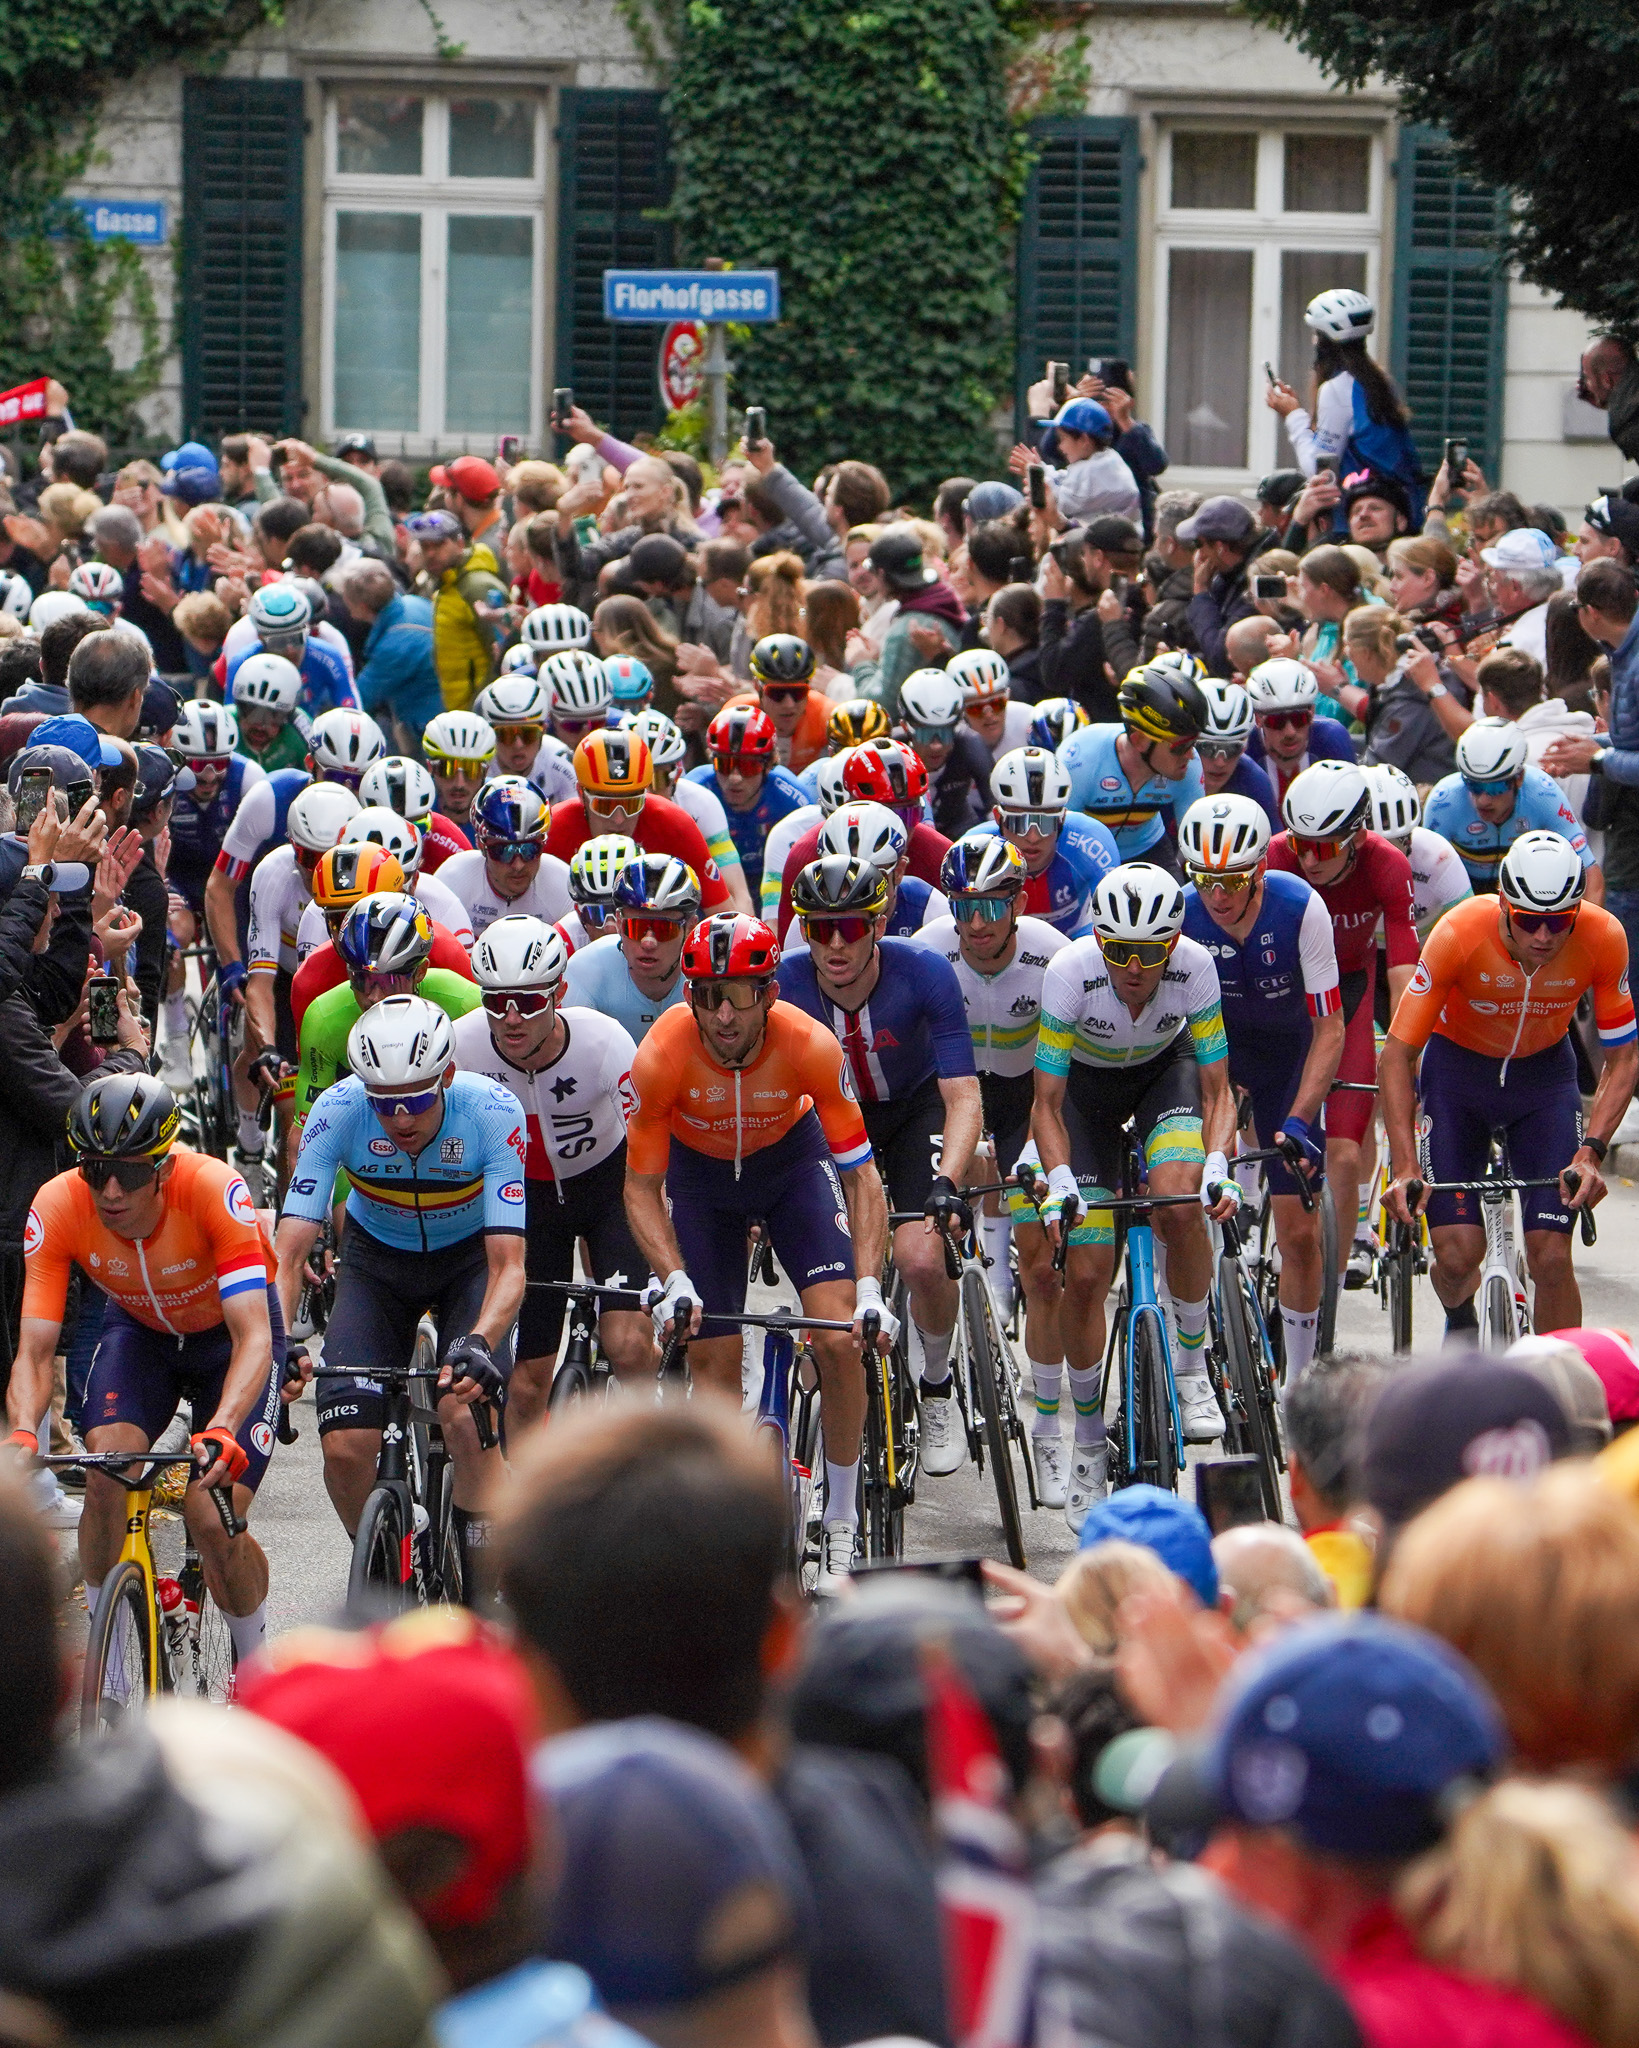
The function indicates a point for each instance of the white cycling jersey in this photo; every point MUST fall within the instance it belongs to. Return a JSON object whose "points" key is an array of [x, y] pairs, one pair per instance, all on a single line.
{"points": [[1438, 878], [1003, 1009], [553, 771], [1085, 1021], [279, 893], [1016, 723], [466, 875], [442, 905], [250, 828], [577, 1108], [572, 930]]}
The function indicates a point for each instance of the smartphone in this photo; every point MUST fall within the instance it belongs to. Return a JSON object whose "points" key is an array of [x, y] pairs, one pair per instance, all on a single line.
{"points": [[33, 794], [1036, 480], [1229, 1492], [1273, 587], [1058, 375], [965, 1571], [1114, 371], [563, 403], [507, 447], [756, 426], [102, 1009], [1456, 460], [1095, 367], [1269, 376], [1328, 464]]}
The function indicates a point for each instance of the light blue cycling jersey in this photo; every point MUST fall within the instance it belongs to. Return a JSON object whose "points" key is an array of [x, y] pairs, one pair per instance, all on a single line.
{"points": [[1062, 894], [469, 1179], [599, 979], [1538, 807], [1099, 786], [327, 684]]}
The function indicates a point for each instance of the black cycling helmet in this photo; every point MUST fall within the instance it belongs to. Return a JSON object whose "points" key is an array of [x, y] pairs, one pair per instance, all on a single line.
{"points": [[1162, 705], [123, 1116], [840, 885], [782, 658]]}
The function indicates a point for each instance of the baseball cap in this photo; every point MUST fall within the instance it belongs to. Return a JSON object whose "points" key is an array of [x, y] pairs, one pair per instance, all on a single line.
{"points": [[471, 475], [1221, 518], [678, 1876], [191, 455], [1156, 1520], [1081, 416], [1572, 1381], [1611, 1355], [657, 558], [1280, 487], [80, 737], [161, 708], [1435, 1425], [436, 525], [991, 501], [1112, 535], [194, 485], [158, 776], [430, 1720], [357, 444], [1521, 547], [1618, 517]]}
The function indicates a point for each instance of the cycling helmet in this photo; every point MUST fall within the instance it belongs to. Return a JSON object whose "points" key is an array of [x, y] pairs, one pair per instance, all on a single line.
{"points": [[15, 594], [1541, 871], [345, 742], [508, 807], [353, 870], [853, 721], [782, 658], [660, 884], [981, 864], [1162, 705], [519, 660], [404, 1042], [1341, 315], [553, 626], [1490, 749], [320, 814], [596, 867], [1223, 834], [520, 698], [663, 739], [1056, 718], [840, 885], [1282, 685], [630, 680], [313, 590], [930, 697], [613, 763], [205, 730], [457, 736], [97, 584], [1138, 901], [578, 683], [281, 616], [123, 1116], [399, 784], [1329, 800], [744, 732], [386, 934], [52, 605], [979, 673], [376, 825], [1228, 710], [269, 683], [864, 832], [885, 772], [831, 789], [730, 947], [1030, 779], [519, 953], [1396, 806], [1175, 662]]}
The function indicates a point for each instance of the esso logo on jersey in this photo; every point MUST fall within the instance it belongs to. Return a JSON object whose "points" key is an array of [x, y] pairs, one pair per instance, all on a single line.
{"points": [[383, 1148], [1109, 782], [236, 1199], [513, 1191], [34, 1233]]}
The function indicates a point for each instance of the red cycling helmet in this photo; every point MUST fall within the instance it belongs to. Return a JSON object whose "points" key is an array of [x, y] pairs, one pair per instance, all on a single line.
{"points": [[745, 732], [730, 946], [885, 772]]}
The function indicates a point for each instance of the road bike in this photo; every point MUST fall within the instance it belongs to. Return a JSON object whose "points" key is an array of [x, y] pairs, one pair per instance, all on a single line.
{"points": [[1402, 1256], [583, 1373], [1502, 1301], [1242, 1358]]}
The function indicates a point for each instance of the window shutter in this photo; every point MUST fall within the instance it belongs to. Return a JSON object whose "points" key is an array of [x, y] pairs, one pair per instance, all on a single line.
{"points": [[1450, 301], [242, 255], [1078, 248], [614, 171]]}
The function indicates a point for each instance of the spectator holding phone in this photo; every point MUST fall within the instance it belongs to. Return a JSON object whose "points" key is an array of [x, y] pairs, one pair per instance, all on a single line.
{"points": [[1094, 478], [1356, 419]]}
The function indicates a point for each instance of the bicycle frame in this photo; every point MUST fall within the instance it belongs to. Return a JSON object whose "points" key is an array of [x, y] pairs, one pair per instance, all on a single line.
{"points": [[1142, 1301]]}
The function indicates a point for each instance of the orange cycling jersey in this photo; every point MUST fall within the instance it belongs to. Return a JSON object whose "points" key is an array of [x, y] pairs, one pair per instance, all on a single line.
{"points": [[1471, 990], [209, 1247], [726, 1112]]}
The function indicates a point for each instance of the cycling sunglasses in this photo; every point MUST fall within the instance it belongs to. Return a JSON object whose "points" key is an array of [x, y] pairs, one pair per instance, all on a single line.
{"points": [[1498, 785], [130, 1173], [830, 931], [737, 764], [1541, 920], [525, 1001], [1320, 849], [577, 728], [534, 732], [594, 916], [1220, 750], [992, 909], [365, 983], [201, 763], [932, 735], [1136, 952], [389, 1106], [739, 995], [506, 851], [636, 925], [615, 806], [467, 771], [1286, 721], [1043, 823], [1235, 884], [785, 693], [308, 858]]}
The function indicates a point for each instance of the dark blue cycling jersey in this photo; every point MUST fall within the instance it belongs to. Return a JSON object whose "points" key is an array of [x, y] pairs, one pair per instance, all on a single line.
{"points": [[1062, 894], [1248, 779], [910, 1029], [1328, 741], [1280, 975], [197, 830], [910, 908], [780, 795]]}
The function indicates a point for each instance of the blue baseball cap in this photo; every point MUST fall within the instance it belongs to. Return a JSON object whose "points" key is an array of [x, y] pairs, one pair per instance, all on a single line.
{"points": [[196, 484], [1081, 416], [80, 737], [191, 455], [1156, 1520]]}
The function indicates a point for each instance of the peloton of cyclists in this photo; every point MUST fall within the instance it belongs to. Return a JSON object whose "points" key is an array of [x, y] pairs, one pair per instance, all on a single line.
{"points": [[1127, 775]]}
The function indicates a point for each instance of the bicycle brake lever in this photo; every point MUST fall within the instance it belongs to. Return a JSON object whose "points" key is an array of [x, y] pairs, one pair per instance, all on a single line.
{"points": [[953, 1258], [1067, 1223], [485, 1428], [223, 1502], [871, 1324]]}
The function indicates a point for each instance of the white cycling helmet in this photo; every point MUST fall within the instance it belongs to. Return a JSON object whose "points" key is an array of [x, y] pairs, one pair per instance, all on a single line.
{"points": [[1029, 779], [981, 674], [269, 682], [579, 683], [15, 595], [1340, 314], [1282, 685], [519, 660], [1138, 901], [517, 699], [404, 1042], [831, 790], [1228, 710], [384, 827], [1177, 662], [551, 626], [1541, 871], [1223, 834], [930, 697], [1396, 806], [1490, 750], [659, 734], [865, 831], [458, 736], [319, 815], [52, 605], [281, 615], [1329, 800], [344, 742], [399, 784], [519, 952], [97, 583], [205, 730], [596, 867]]}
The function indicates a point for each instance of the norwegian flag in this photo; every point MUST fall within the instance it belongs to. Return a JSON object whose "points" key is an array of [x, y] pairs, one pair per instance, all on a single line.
{"points": [[984, 1889]]}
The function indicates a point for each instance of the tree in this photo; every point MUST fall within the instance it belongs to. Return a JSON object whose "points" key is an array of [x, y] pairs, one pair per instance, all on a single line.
{"points": [[1539, 96]]}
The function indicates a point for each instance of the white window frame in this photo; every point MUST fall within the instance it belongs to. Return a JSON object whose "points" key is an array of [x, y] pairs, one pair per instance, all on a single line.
{"points": [[435, 196], [1265, 229]]}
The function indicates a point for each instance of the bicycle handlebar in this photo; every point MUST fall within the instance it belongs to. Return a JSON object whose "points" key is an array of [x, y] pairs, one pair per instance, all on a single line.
{"points": [[481, 1410], [114, 1463], [1587, 1228], [616, 1297]]}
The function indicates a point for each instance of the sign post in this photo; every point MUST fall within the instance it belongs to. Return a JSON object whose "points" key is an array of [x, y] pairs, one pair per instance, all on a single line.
{"points": [[713, 296]]}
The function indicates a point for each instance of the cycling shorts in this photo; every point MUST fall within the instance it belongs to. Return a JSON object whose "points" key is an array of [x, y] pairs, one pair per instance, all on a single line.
{"points": [[382, 1293], [1007, 1100], [791, 1185], [286, 1038], [141, 1376], [1269, 1071], [593, 1207], [907, 1136], [1538, 1115], [1349, 1111]]}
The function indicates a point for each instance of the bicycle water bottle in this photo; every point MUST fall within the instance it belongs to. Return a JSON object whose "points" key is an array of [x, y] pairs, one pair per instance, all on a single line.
{"points": [[173, 1614]]}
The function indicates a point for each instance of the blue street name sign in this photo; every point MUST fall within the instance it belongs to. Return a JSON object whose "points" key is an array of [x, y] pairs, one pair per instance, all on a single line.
{"points": [[134, 220], [657, 297]]}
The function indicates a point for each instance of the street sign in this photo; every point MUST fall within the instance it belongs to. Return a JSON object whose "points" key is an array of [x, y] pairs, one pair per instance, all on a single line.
{"points": [[133, 220], [656, 297], [682, 364]]}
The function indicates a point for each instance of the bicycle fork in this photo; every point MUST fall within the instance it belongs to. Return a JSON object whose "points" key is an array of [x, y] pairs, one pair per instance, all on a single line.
{"points": [[1141, 1262]]}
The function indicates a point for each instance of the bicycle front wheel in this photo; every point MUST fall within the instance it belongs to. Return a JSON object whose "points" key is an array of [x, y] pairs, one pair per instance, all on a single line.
{"points": [[119, 1676], [380, 1576], [449, 1562], [1326, 1332], [1157, 1452], [1401, 1278], [207, 1663], [1497, 1317], [1251, 1372], [985, 1368]]}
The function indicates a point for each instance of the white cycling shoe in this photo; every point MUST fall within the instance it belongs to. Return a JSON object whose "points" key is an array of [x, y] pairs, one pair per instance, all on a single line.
{"points": [[1089, 1482], [944, 1439], [1198, 1409], [1052, 1461], [839, 1546]]}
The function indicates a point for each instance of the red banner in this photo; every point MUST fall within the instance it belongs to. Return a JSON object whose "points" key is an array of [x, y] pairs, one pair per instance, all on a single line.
{"points": [[24, 402]]}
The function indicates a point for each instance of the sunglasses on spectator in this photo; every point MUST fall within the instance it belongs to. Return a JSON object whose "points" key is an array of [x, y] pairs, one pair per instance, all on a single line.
{"points": [[130, 1173], [1541, 920], [200, 763], [1321, 849], [1136, 952], [639, 925], [992, 909], [1286, 721], [403, 1105], [737, 764], [712, 995], [1235, 884], [785, 693], [1043, 823], [524, 1002], [532, 731], [1496, 785], [509, 850], [368, 984], [835, 931], [467, 771], [1220, 750]]}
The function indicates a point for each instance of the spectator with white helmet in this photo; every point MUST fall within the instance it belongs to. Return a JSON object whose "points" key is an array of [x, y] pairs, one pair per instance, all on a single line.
{"points": [[1438, 877], [509, 871], [406, 786], [1221, 749], [518, 706], [1289, 734], [397, 677], [1355, 419], [988, 708], [1065, 857], [551, 628], [1494, 796], [667, 753], [459, 747], [279, 619]]}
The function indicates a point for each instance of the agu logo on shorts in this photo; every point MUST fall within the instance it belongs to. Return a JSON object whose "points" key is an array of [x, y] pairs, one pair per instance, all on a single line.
{"points": [[262, 1437], [236, 1198], [33, 1233], [513, 1191]]}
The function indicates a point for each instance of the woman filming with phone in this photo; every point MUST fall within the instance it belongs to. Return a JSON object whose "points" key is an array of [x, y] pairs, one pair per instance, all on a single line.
{"points": [[1356, 419]]}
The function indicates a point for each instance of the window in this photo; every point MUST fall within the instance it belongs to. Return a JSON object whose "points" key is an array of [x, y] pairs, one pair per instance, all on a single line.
{"points": [[434, 266], [1254, 222]]}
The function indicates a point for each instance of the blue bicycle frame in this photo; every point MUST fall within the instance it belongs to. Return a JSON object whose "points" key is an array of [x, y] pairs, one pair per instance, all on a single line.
{"points": [[1142, 1302]]}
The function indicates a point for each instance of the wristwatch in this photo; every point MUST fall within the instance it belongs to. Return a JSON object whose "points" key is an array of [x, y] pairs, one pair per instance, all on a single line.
{"points": [[36, 871], [1597, 765], [1436, 690]]}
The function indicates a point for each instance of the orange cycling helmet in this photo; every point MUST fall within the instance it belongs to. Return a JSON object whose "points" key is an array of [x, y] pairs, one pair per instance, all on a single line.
{"points": [[731, 946], [885, 772], [741, 732], [613, 763], [347, 874]]}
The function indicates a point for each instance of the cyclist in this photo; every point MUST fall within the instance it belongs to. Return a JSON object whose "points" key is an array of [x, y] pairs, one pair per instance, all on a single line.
{"points": [[957, 760], [614, 772], [583, 699], [667, 752], [1132, 1029], [172, 1239], [1054, 721], [571, 1069], [1362, 881], [889, 773], [1271, 941], [899, 1013], [1126, 775], [1489, 1010], [459, 747], [376, 825], [985, 680], [747, 781], [509, 871], [1494, 796], [279, 620], [1000, 957], [1065, 858], [356, 868], [746, 1112], [551, 628], [400, 784], [518, 707], [849, 724], [828, 795], [634, 973], [592, 877], [435, 1220], [631, 684], [782, 671], [267, 694], [1288, 736], [872, 832], [1438, 877], [1221, 749]]}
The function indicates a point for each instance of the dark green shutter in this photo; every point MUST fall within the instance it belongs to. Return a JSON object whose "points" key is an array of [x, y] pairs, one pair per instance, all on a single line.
{"points": [[1078, 247], [1450, 301], [241, 255], [614, 172]]}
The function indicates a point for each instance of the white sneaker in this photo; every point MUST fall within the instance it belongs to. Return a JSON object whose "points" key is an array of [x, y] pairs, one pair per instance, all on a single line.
{"points": [[177, 1067], [1358, 1271], [1052, 1462], [63, 1512], [839, 1546], [944, 1440], [1089, 1482], [1198, 1408]]}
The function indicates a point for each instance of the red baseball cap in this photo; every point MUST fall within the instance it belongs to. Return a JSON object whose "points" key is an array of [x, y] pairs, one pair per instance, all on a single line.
{"points": [[1611, 1354], [471, 475], [431, 1721]]}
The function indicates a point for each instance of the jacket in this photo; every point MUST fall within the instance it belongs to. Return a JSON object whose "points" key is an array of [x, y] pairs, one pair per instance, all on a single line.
{"points": [[465, 653], [805, 528], [1168, 618], [1402, 2001], [1548, 721], [398, 673], [1404, 731], [881, 679], [51, 701], [1024, 676], [1147, 459], [1225, 601], [1073, 660]]}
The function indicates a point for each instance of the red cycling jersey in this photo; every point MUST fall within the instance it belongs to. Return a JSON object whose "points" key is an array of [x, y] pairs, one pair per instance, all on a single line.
{"points": [[926, 852], [1377, 884], [324, 969], [441, 837], [662, 827]]}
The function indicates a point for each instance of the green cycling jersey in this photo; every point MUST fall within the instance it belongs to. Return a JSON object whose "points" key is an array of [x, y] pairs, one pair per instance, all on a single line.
{"points": [[330, 1017]]}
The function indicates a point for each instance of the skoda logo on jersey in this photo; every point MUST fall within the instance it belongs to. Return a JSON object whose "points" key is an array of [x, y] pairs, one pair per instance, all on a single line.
{"points": [[383, 1148], [239, 1204], [1477, 828]]}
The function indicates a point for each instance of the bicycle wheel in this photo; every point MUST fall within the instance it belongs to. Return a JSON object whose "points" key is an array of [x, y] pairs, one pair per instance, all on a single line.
{"points": [[119, 1673], [447, 1580], [1497, 1315], [1157, 1452], [208, 1662], [878, 1523], [1401, 1271], [986, 1366], [1251, 1373], [1326, 1332], [380, 1574]]}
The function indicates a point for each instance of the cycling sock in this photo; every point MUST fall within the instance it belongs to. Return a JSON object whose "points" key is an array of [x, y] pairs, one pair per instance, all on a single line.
{"points": [[250, 1131], [1463, 1317], [1299, 1331], [472, 1533], [93, 1592], [1191, 1337], [176, 1016], [935, 1359], [1046, 1380], [1086, 1392], [1247, 1179], [998, 1235], [842, 1493], [249, 1632]]}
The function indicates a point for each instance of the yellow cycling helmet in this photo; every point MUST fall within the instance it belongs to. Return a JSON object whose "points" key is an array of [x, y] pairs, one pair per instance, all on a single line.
{"points": [[853, 722], [613, 763]]}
